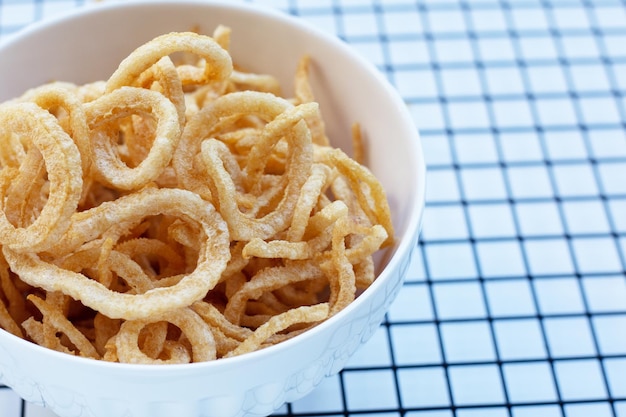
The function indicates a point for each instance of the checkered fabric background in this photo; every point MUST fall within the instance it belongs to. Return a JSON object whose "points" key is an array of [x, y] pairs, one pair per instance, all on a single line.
{"points": [[515, 305]]}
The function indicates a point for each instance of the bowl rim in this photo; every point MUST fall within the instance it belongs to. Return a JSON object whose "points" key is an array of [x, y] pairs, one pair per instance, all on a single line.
{"points": [[416, 203]]}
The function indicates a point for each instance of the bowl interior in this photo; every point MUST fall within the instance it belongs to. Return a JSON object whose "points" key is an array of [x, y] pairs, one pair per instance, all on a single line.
{"points": [[87, 46]]}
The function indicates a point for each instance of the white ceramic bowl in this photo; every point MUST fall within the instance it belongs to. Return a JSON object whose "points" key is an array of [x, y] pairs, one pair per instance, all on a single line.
{"points": [[87, 45]]}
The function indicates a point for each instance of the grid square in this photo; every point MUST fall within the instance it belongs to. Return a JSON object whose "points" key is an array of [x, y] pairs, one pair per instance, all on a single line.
{"points": [[565, 145], [450, 261], [539, 219], [443, 186], [416, 84], [423, 387], [605, 294], [510, 298], [504, 80], [408, 51], [536, 411], [519, 339], [599, 110], [325, 398], [468, 115], [444, 223], [580, 380], [428, 116], [521, 147], [359, 24], [480, 184], [548, 256], [403, 22], [529, 19], [459, 300], [586, 217], [589, 77], [615, 370], [413, 303], [512, 113], [611, 175], [608, 143], [609, 16], [500, 259], [372, 389], [529, 382], [449, 51], [580, 46], [559, 296], [475, 148], [446, 21], [467, 342], [610, 331], [476, 384], [374, 353], [491, 220], [575, 180], [548, 78], [488, 20], [460, 82], [589, 409], [415, 344], [596, 255], [496, 50], [569, 337], [530, 181], [538, 48], [556, 112], [615, 45], [567, 18]]}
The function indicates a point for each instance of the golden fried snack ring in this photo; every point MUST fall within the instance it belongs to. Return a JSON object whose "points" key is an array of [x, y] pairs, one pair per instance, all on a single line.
{"points": [[125, 101], [217, 62], [62, 159]]}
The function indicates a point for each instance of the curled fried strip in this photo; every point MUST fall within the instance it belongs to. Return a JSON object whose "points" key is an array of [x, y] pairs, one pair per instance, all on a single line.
{"points": [[369, 191], [266, 280], [193, 327], [63, 163], [217, 62], [57, 320], [304, 314], [214, 255], [101, 115], [243, 227]]}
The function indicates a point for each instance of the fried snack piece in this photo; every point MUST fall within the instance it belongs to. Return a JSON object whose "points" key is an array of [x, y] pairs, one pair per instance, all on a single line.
{"points": [[181, 210], [125, 213]]}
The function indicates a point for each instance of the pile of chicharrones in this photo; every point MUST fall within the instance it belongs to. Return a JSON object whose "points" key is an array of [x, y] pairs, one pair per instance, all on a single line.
{"points": [[180, 211]]}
